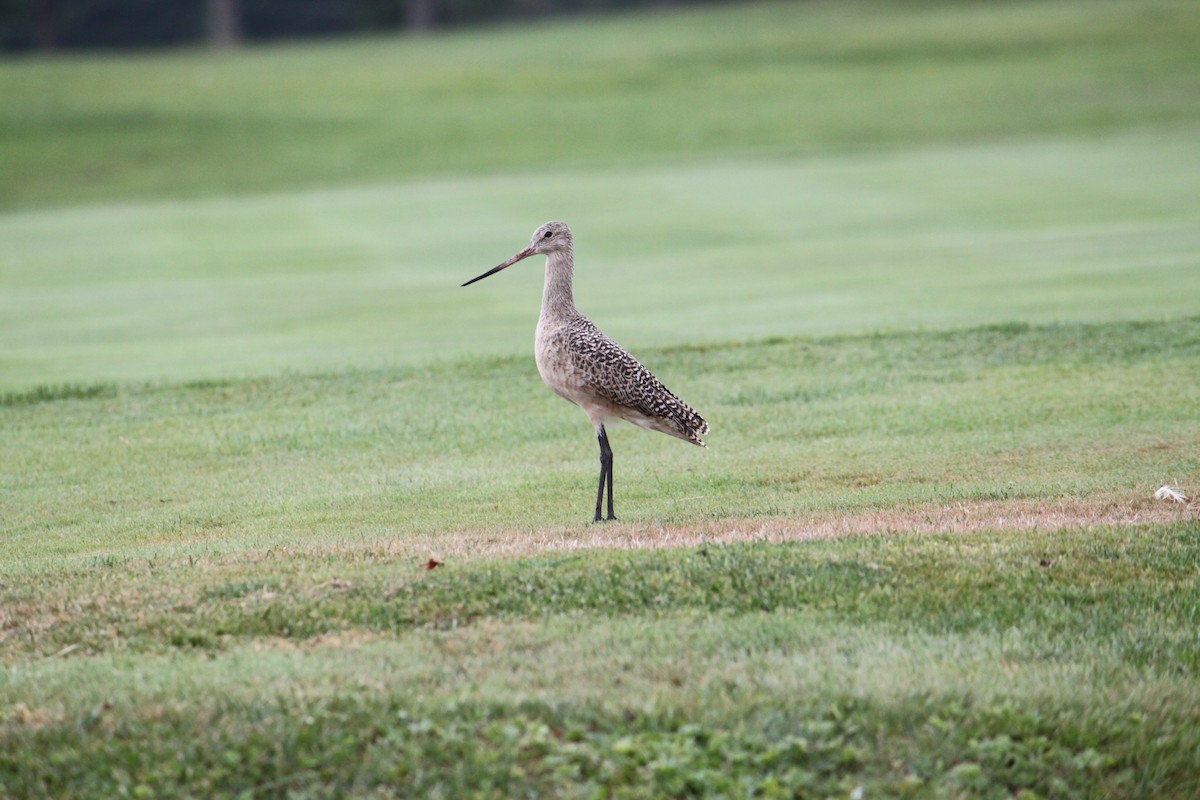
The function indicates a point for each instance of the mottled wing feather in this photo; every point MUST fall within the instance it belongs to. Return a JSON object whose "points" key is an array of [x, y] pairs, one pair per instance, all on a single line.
{"points": [[620, 378]]}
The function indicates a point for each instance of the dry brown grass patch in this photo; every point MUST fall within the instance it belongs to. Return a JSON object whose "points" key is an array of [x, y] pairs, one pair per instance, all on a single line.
{"points": [[962, 517]]}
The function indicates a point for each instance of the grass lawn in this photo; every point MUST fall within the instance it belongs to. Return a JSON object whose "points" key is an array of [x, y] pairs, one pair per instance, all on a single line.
{"points": [[212, 585], [1068, 229], [928, 269], [1056, 665], [779, 78]]}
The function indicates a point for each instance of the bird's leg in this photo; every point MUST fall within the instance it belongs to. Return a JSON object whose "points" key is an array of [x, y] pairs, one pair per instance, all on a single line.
{"points": [[605, 474], [611, 515]]}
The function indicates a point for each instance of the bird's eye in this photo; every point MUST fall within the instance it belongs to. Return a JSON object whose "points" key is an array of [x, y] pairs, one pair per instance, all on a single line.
{"points": [[548, 234]]}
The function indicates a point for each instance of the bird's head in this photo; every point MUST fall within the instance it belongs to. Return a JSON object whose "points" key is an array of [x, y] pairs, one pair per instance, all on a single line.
{"points": [[551, 237]]}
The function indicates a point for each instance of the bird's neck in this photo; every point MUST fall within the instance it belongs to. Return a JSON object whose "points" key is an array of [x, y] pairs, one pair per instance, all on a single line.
{"points": [[557, 298]]}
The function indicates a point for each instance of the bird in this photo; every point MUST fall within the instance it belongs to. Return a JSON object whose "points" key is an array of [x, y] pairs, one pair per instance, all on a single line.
{"points": [[583, 365]]}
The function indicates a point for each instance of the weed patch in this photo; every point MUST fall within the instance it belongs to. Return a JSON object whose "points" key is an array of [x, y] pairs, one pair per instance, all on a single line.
{"points": [[50, 393]]}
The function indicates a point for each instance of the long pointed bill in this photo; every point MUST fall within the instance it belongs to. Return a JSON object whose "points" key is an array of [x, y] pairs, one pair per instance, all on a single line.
{"points": [[526, 253]]}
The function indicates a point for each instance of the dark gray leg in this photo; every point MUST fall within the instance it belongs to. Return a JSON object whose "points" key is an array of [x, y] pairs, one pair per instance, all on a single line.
{"points": [[606, 458], [611, 515]]}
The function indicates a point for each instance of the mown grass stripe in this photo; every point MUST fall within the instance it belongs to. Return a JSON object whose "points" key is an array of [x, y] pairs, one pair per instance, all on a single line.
{"points": [[1133, 588]]}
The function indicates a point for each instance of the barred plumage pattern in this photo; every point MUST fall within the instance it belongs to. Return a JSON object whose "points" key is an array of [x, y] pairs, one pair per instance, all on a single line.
{"points": [[604, 367]]}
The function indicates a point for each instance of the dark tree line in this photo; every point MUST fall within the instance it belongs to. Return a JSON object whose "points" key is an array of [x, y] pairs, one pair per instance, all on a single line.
{"points": [[53, 24]]}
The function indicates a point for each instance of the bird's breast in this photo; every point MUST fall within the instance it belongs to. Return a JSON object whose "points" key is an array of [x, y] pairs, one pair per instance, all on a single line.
{"points": [[551, 349]]}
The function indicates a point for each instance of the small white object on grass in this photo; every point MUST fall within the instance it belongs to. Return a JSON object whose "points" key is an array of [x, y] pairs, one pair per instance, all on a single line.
{"points": [[1168, 493]]}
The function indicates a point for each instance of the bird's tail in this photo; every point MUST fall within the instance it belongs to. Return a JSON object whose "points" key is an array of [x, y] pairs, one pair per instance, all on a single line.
{"points": [[691, 425]]}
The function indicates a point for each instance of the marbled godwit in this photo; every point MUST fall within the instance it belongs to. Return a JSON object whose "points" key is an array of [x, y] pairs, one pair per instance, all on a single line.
{"points": [[586, 367]]}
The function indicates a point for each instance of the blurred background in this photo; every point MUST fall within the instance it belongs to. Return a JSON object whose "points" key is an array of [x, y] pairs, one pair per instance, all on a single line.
{"points": [[211, 188], [53, 24]]}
